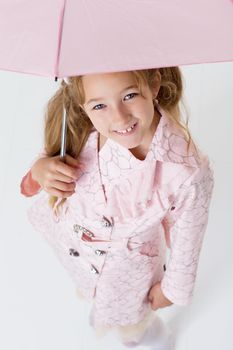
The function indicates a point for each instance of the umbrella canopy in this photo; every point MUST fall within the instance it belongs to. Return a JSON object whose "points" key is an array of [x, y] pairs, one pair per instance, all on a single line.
{"points": [[60, 38]]}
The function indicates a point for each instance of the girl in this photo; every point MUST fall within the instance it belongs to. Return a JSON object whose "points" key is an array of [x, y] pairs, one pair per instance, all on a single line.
{"points": [[133, 184]]}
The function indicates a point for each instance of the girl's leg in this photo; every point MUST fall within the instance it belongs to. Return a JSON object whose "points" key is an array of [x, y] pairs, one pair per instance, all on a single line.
{"points": [[156, 337]]}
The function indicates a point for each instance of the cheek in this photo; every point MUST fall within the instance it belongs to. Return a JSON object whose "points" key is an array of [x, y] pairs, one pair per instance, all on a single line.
{"points": [[100, 124], [150, 111], [145, 111]]}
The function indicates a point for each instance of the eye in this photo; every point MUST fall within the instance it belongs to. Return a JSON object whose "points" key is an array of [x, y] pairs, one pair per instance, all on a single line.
{"points": [[97, 106], [132, 93]]}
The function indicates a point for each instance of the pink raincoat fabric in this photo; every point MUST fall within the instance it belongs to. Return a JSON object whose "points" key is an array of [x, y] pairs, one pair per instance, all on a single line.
{"points": [[112, 234]]}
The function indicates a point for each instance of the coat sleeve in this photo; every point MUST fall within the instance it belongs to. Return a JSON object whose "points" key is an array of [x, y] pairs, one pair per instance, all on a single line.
{"points": [[28, 186], [185, 225]]}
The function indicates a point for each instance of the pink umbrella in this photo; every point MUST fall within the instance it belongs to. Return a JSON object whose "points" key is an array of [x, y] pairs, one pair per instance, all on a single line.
{"points": [[72, 37], [61, 38]]}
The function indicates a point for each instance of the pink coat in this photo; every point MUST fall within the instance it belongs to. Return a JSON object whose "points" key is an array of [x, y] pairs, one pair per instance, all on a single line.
{"points": [[113, 232]]}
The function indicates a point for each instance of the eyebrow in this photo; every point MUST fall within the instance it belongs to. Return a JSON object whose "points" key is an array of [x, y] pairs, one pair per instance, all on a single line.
{"points": [[101, 98]]}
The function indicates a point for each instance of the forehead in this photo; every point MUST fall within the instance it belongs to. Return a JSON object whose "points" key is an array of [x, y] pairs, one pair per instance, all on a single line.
{"points": [[93, 83]]}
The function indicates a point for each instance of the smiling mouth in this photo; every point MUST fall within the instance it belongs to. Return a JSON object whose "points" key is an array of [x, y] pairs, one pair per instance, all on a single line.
{"points": [[127, 130]]}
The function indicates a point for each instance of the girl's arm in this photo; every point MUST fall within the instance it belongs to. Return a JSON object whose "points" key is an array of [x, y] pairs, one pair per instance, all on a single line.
{"points": [[185, 226]]}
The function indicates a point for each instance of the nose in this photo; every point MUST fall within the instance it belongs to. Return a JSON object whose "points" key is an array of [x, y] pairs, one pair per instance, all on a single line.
{"points": [[122, 117]]}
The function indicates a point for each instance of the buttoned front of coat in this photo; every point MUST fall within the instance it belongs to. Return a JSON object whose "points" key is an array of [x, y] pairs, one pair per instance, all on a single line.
{"points": [[112, 233]]}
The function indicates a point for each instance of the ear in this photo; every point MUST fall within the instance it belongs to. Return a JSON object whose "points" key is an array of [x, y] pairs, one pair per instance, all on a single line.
{"points": [[156, 83]]}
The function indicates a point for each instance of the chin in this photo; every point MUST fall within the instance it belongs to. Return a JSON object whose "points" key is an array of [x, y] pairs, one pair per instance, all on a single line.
{"points": [[129, 145]]}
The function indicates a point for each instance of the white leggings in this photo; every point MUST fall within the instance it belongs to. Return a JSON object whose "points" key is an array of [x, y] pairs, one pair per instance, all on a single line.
{"points": [[156, 337], [151, 332]]}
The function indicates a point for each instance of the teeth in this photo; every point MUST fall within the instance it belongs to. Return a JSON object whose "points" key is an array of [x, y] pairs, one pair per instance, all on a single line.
{"points": [[126, 130]]}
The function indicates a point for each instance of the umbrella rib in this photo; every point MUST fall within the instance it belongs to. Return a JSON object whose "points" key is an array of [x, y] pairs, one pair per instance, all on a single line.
{"points": [[61, 22]]}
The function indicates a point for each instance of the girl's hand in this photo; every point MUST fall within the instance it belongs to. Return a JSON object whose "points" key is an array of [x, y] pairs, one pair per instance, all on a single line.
{"points": [[157, 298], [56, 177]]}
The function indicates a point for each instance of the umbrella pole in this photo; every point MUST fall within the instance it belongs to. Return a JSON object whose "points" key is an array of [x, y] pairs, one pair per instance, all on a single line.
{"points": [[63, 135], [54, 201]]}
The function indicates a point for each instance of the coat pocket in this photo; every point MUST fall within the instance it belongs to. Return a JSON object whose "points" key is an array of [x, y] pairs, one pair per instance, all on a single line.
{"points": [[147, 250]]}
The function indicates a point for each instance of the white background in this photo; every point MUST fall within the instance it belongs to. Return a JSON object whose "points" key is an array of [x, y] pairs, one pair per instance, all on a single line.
{"points": [[39, 309]]}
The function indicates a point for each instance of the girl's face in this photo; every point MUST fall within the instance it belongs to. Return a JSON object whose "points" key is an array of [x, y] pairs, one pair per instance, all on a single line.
{"points": [[113, 103]]}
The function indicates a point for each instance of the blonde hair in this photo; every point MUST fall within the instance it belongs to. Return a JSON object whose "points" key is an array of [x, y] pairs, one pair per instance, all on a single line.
{"points": [[79, 125]]}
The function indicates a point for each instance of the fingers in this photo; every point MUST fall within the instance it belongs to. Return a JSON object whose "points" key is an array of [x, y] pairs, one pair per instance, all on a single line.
{"points": [[60, 189], [153, 303], [154, 306], [66, 187], [158, 304], [69, 172], [72, 161], [157, 298], [57, 193], [63, 177]]}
